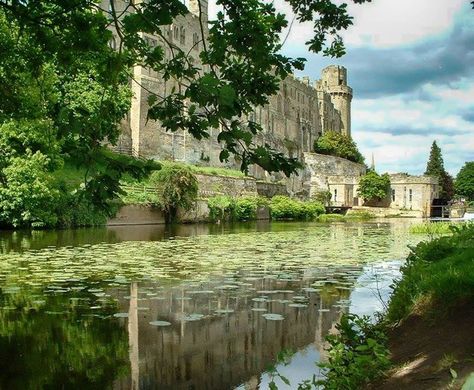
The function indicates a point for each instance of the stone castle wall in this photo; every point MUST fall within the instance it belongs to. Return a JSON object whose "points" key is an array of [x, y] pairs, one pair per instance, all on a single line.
{"points": [[334, 174], [292, 121]]}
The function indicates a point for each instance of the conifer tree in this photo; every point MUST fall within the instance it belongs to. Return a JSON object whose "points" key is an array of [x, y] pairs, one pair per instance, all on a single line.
{"points": [[435, 167]]}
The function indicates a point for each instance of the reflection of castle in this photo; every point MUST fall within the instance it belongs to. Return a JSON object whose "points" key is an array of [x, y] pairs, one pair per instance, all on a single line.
{"points": [[293, 119], [220, 351]]}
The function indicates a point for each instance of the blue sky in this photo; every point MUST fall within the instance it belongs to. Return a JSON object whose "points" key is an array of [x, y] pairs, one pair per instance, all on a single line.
{"points": [[411, 65]]}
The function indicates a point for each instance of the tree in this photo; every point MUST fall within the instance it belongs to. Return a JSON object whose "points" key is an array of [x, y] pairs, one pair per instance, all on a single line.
{"points": [[435, 167], [177, 187], [465, 181], [338, 144], [374, 187], [56, 67]]}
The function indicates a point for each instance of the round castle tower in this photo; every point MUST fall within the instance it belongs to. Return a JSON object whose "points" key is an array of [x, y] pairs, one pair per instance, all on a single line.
{"points": [[334, 82]]}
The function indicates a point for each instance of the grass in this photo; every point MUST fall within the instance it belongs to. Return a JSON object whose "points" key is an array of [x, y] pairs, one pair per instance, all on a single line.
{"points": [[437, 274], [331, 218], [69, 174], [217, 171], [435, 228], [359, 216]]}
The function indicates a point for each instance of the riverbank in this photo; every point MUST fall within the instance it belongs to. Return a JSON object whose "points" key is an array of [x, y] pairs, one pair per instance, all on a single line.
{"points": [[432, 343], [426, 329], [432, 352]]}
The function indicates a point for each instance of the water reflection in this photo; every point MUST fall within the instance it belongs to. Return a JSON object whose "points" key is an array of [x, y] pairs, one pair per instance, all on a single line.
{"points": [[224, 334], [226, 303]]}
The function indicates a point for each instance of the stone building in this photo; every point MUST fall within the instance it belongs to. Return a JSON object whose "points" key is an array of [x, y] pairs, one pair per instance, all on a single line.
{"points": [[292, 121], [334, 174], [413, 192]]}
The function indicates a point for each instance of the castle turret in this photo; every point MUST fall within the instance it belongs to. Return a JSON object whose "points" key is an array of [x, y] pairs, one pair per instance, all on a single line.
{"points": [[334, 82]]}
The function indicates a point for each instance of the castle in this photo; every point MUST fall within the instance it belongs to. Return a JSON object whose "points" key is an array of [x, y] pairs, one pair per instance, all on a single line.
{"points": [[291, 122]]}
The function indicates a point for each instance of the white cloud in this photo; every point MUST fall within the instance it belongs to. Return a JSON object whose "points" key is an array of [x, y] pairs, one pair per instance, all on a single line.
{"points": [[413, 107], [385, 23]]}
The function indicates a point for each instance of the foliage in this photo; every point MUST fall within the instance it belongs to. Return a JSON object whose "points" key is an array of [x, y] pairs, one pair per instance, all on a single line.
{"points": [[139, 194], [440, 271], [465, 181], [435, 167], [227, 208], [94, 351], [283, 207], [75, 210], [373, 186], [27, 194], [220, 207], [176, 186], [282, 358], [323, 197], [358, 354], [56, 64], [338, 144]]}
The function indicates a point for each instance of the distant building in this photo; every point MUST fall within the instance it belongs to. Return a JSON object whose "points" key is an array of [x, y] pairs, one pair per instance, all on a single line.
{"points": [[413, 192]]}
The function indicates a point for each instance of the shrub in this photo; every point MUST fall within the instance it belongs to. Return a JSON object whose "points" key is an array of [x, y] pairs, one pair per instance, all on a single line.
{"points": [[358, 354], [283, 207], [338, 144], [76, 210], [223, 208], [28, 196], [245, 208], [220, 208], [323, 197], [176, 186], [373, 186]]}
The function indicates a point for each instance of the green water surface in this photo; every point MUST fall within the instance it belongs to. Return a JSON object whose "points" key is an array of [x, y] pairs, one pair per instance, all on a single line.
{"points": [[189, 307]]}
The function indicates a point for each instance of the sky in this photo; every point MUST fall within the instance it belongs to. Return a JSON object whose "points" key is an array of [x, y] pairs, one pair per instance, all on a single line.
{"points": [[411, 65]]}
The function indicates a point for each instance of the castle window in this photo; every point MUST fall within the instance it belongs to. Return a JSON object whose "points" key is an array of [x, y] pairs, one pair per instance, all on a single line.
{"points": [[195, 41], [393, 195], [410, 195], [335, 195], [279, 104], [113, 43], [182, 35], [176, 32]]}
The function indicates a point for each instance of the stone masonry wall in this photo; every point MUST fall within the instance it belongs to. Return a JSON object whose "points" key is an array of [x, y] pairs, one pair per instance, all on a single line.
{"points": [[334, 174], [294, 118]]}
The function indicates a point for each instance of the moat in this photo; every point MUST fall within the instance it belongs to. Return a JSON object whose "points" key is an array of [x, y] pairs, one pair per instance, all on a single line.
{"points": [[190, 307]]}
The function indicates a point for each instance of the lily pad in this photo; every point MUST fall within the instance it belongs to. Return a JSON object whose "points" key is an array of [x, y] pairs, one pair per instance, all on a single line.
{"points": [[273, 317], [121, 315], [160, 323]]}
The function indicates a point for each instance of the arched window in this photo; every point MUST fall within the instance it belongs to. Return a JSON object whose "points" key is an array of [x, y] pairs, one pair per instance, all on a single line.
{"points": [[175, 32]]}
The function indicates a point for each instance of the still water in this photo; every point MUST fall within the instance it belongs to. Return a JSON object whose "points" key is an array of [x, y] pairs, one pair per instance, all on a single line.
{"points": [[191, 307]]}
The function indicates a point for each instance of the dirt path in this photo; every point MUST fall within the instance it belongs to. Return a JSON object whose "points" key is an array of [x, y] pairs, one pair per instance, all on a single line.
{"points": [[424, 351]]}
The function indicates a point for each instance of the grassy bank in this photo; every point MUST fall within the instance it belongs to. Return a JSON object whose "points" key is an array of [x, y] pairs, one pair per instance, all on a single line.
{"points": [[354, 216], [437, 274], [436, 228], [426, 330]]}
